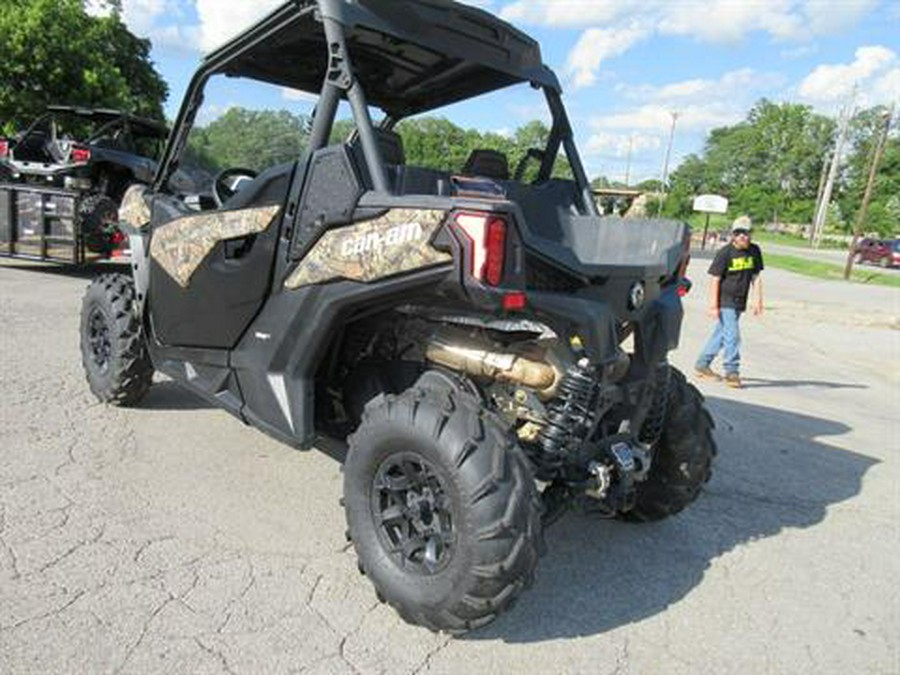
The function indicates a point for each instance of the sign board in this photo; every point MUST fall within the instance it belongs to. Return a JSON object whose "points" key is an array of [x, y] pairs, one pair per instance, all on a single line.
{"points": [[711, 204]]}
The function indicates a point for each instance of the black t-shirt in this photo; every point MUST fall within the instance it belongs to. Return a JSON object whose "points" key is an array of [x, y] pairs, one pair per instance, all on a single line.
{"points": [[736, 268]]}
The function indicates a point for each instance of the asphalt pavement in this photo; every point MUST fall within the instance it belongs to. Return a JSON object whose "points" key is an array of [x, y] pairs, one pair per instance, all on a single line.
{"points": [[170, 538]]}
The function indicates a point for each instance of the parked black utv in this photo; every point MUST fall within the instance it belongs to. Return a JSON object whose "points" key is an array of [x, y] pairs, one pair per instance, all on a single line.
{"points": [[96, 154], [493, 350]]}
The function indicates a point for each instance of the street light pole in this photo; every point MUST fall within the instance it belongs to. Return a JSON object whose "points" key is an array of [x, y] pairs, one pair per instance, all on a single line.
{"points": [[870, 184], [665, 171]]}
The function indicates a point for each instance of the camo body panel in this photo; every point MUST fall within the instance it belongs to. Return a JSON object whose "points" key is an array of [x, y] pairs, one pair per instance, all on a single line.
{"points": [[391, 244], [182, 245], [134, 210]]}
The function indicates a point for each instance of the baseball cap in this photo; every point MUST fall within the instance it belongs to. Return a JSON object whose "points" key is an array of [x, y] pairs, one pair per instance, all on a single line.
{"points": [[741, 224]]}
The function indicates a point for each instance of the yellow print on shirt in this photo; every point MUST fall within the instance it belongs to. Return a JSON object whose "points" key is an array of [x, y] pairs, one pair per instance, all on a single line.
{"points": [[742, 264]]}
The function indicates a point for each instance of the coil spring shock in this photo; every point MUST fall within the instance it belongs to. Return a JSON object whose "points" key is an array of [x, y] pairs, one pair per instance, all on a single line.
{"points": [[568, 415]]}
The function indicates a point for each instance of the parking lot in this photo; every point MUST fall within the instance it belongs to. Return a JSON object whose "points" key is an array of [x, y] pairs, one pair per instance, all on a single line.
{"points": [[171, 538]]}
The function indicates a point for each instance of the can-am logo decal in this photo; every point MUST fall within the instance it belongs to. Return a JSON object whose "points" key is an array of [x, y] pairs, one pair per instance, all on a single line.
{"points": [[374, 242]]}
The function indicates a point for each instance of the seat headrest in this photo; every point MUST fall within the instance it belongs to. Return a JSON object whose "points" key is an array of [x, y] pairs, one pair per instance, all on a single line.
{"points": [[389, 142], [487, 164]]}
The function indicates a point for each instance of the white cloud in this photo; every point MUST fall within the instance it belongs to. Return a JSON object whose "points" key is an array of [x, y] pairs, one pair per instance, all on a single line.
{"points": [[289, 94], [828, 16], [220, 21], [658, 117], [729, 21], [886, 89], [611, 24], [618, 145], [645, 114], [701, 102], [798, 52], [597, 45], [567, 13], [167, 24], [834, 82], [140, 15]]}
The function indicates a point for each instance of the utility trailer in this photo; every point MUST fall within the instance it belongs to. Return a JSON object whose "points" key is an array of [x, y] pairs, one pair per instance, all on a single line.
{"points": [[40, 223]]}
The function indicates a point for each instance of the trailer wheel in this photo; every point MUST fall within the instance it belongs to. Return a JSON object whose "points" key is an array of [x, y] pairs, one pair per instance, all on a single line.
{"points": [[113, 351], [99, 217]]}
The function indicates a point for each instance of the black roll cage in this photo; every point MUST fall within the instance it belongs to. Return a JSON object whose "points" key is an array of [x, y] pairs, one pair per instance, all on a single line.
{"points": [[340, 83]]}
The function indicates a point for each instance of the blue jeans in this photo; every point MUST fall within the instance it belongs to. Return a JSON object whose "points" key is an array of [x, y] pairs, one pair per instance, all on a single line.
{"points": [[727, 336]]}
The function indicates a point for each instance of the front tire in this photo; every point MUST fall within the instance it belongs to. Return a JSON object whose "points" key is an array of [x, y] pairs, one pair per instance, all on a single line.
{"points": [[442, 508], [682, 459], [113, 351]]}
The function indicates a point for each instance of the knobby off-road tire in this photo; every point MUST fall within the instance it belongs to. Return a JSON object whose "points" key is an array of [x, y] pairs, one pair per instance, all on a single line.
{"points": [[113, 350], [682, 460], [97, 214], [468, 482]]}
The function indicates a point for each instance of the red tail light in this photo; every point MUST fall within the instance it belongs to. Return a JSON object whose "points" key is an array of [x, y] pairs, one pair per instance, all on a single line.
{"points": [[80, 154], [4, 148], [487, 235]]}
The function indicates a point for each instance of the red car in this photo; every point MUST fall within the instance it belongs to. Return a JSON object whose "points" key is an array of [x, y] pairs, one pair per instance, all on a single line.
{"points": [[883, 252]]}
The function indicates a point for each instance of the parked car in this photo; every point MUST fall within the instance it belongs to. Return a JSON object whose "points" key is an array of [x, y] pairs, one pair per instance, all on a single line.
{"points": [[882, 252]]}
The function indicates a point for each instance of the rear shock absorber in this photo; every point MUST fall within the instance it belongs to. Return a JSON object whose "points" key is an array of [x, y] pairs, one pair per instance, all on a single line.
{"points": [[567, 416]]}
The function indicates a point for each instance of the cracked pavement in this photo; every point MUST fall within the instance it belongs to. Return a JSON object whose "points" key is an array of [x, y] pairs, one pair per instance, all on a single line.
{"points": [[170, 538]]}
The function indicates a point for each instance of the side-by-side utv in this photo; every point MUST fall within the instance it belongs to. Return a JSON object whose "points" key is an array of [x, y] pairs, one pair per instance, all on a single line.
{"points": [[493, 350]]}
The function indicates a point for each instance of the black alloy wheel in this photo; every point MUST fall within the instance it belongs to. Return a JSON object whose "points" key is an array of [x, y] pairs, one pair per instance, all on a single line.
{"points": [[98, 337], [410, 502], [113, 352], [441, 505]]}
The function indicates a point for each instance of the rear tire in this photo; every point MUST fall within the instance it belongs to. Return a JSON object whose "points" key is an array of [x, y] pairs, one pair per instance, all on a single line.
{"points": [[442, 508], [99, 216], [682, 459], [113, 350]]}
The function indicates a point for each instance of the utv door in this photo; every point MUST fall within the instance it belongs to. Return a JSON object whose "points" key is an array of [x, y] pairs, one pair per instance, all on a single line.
{"points": [[210, 271]]}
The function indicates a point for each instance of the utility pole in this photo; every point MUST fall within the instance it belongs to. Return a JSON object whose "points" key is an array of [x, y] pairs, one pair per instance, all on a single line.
{"points": [[825, 164], [665, 171], [628, 160], [825, 201], [870, 184]]}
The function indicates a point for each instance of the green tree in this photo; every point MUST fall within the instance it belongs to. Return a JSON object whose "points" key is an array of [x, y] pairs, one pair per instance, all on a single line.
{"points": [[250, 139], [52, 51], [438, 143], [884, 210], [768, 165]]}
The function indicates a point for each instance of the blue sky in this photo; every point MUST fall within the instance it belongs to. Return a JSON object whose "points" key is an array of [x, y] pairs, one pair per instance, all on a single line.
{"points": [[626, 65]]}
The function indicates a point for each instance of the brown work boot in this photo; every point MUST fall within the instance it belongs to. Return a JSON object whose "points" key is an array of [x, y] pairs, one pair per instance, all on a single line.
{"points": [[733, 380], [706, 373]]}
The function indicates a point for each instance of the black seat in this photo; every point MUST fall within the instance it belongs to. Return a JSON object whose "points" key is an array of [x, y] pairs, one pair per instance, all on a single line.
{"points": [[487, 164], [269, 187], [392, 154]]}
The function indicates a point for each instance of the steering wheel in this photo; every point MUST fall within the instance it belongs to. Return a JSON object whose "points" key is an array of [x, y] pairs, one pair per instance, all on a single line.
{"points": [[533, 153], [227, 183]]}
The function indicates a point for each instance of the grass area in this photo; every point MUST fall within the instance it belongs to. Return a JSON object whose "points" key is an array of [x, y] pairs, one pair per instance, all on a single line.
{"points": [[718, 222], [824, 270], [794, 240]]}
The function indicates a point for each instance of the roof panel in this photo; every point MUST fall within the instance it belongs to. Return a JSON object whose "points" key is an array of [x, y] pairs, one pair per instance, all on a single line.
{"points": [[409, 56]]}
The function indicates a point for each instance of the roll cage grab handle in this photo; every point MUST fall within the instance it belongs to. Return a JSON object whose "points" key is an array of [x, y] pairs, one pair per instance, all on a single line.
{"points": [[339, 81]]}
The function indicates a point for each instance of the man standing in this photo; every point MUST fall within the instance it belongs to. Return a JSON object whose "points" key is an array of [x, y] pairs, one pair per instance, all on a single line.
{"points": [[734, 270]]}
